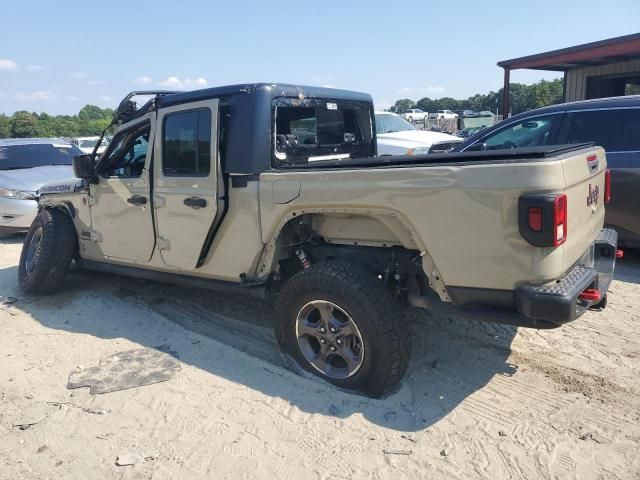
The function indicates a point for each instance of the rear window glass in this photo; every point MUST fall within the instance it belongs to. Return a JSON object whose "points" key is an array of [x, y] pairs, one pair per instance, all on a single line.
{"points": [[616, 130], [14, 157], [313, 130]]}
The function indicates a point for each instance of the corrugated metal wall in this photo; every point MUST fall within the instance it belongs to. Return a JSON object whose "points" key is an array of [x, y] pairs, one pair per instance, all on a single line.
{"points": [[576, 80]]}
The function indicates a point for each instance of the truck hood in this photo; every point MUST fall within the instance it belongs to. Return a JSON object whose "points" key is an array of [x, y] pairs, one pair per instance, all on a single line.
{"points": [[31, 179], [418, 138]]}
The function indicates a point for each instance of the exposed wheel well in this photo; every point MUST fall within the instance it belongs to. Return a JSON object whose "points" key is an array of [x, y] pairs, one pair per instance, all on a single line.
{"points": [[377, 244]]}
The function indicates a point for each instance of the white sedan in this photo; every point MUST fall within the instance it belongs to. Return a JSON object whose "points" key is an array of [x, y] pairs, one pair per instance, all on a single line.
{"points": [[25, 165], [396, 136]]}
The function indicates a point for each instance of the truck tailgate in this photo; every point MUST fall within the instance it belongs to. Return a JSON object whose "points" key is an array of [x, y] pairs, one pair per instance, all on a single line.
{"points": [[584, 174]]}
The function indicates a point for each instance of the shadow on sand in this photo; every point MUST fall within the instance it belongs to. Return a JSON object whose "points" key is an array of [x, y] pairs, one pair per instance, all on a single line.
{"points": [[455, 352]]}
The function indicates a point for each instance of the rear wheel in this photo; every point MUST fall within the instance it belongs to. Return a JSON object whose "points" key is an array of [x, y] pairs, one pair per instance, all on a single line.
{"points": [[47, 252], [342, 324]]}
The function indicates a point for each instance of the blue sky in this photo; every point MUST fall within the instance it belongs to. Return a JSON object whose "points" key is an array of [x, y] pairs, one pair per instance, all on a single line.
{"points": [[58, 56]]}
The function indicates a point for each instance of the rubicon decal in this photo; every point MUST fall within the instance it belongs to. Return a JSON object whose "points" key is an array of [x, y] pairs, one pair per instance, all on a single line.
{"points": [[55, 188], [594, 193]]}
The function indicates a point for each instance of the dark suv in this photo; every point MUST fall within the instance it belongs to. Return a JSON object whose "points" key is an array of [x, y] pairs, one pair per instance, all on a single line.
{"points": [[613, 123]]}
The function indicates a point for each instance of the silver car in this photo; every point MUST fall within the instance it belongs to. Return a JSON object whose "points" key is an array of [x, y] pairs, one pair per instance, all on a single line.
{"points": [[25, 165]]}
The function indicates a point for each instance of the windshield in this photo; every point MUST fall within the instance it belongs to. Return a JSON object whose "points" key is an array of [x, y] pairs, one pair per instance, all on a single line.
{"points": [[392, 123], [14, 157], [88, 143]]}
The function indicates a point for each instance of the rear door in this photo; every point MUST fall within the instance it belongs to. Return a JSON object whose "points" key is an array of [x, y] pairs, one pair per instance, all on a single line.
{"points": [[618, 131], [186, 177]]}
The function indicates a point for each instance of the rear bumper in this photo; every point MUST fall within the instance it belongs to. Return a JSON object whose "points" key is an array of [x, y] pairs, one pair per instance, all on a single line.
{"points": [[560, 302]]}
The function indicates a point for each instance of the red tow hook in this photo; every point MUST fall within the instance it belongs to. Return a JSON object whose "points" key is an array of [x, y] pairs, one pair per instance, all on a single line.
{"points": [[619, 253], [590, 294]]}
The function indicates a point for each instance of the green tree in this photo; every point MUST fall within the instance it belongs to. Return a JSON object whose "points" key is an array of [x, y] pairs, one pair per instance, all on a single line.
{"points": [[24, 125], [401, 106], [5, 126], [90, 112]]}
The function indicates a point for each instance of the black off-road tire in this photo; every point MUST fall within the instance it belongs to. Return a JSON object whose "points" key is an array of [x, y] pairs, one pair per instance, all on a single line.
{"points": [[58, 245], [378, 315]]}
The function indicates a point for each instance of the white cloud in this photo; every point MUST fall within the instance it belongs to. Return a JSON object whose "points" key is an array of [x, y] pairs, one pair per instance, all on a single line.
{"points": [[34, 68], [95, 82], [106, 98], [143, 80], [35, 96], [79, 75], [405, 90], [8, 65], [70, 98], [435, 89], [186, 84]]}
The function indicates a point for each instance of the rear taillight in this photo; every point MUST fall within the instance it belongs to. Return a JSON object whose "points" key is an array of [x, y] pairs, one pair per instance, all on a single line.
{"points": [[607, 186], [535, 219], [542, 219], [559, 220]]}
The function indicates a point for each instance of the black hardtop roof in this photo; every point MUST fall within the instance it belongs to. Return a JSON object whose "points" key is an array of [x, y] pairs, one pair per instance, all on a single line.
{"points": [[272, 90]]}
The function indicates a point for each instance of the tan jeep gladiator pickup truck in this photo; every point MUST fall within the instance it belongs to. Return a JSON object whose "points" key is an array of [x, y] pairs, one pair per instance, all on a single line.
{"points": [[271, 189]]}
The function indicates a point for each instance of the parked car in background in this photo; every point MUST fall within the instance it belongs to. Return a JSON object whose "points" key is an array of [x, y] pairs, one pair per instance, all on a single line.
{"points": [[446, 114], [396, 136], [415, 115], [613, 123], [25, 165], [87, 144], [468, 113], [485, 113]]}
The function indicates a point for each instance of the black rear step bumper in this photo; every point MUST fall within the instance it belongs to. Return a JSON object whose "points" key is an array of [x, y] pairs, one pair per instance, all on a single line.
{"points": [[560, 303]]}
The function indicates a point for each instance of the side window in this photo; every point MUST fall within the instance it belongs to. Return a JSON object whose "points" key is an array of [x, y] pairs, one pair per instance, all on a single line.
{"points": [[616, 130], [532, 132], [127, 157], [186, 144]]}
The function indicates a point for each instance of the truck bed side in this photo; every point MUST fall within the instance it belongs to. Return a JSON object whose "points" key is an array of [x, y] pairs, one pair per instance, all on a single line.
{"points": [[464, 216]]}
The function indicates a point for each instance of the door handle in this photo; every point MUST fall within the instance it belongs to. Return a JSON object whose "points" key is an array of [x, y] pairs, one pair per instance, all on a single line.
{"points": [[137, 200], [195, 202]]}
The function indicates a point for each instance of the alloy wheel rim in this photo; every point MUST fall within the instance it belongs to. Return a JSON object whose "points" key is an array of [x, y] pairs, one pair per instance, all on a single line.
{"points": [[329, 339]]}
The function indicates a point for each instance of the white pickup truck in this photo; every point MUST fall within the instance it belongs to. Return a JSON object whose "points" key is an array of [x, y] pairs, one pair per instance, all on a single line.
{"points": [[446, 114], [415, 115]]}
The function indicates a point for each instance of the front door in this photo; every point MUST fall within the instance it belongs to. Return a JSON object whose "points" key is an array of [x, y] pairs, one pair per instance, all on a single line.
{"points": [[120, 202], [186, 176]]}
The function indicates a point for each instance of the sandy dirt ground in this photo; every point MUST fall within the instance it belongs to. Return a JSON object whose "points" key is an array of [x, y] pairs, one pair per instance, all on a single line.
{"points": [[480, 400]]}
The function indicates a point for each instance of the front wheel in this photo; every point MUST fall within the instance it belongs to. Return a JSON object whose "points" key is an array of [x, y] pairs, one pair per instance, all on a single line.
{"points": [[47, 252], [341, 323]]}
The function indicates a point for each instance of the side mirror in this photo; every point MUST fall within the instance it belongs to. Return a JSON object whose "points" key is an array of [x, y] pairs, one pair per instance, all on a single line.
{"points": [[477, 147], [84, 166]]}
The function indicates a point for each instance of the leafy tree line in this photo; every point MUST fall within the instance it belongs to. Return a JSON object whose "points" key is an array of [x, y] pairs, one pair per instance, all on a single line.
{"points": [[91, 120], [522, 98]]}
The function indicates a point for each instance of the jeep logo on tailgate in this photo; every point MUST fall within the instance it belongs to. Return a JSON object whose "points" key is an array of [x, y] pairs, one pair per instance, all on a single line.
{"points": [[594, 193]]}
